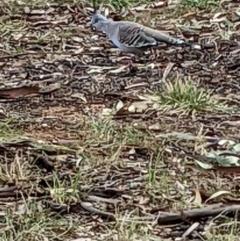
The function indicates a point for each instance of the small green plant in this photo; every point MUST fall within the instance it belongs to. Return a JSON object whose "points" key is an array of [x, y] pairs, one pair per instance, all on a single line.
{"points": [[31, 222], [200, 3], [121, 3], [62, 192], [7, 130], [187, 96]]}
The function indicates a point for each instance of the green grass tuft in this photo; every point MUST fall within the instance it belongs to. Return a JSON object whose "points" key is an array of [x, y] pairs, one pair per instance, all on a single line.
{"points": [[199, 3], [187, 96]]}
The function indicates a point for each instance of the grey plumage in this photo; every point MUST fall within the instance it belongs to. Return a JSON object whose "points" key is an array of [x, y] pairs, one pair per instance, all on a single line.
{"points": [[133, 37]]}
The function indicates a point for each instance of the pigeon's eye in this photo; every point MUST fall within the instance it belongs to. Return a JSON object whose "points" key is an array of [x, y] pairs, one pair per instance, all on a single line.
{"points": [[94, 20]]}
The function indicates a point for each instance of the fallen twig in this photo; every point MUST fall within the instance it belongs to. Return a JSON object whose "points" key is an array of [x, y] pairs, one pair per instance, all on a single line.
{"points": [[211, 210]]}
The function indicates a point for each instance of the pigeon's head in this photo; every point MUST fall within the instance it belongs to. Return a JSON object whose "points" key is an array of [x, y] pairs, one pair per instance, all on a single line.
{"points": [[98, 21]]}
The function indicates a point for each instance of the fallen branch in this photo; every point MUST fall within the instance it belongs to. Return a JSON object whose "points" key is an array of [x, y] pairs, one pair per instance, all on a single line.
{"points": [[211, 210], [164, 218]]}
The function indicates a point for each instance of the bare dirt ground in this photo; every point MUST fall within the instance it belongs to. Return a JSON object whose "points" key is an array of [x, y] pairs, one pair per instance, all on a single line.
{"points": [[93, 150]]}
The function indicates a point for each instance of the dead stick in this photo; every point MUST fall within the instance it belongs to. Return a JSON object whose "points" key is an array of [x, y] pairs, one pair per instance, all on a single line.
{"points": [[211, 210]]}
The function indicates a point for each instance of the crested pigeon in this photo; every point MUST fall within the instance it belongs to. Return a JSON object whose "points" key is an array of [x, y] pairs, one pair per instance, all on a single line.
{"points": [[132, 37]]}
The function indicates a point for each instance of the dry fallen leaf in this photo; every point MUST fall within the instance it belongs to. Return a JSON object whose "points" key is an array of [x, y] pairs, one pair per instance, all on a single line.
{"points": [[198, 198], [203, 165], [218, 194], [190, 230], [18, 92], [119, 106], [107, 112], [138, 106], [118, 70]]}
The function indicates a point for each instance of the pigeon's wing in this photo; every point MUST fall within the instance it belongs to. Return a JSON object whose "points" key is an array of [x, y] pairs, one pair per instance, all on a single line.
{"points": [[160, 36], [134, 37]]}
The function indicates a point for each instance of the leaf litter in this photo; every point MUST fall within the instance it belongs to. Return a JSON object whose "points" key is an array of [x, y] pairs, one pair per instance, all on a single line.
{"points": [[95, 148]]}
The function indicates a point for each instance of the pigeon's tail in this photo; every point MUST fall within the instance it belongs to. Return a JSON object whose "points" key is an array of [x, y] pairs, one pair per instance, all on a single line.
{"points": [[161, 37]]}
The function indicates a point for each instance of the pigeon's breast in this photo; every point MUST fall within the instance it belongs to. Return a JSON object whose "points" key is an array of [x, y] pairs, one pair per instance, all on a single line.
{"points": [[116, 42]]}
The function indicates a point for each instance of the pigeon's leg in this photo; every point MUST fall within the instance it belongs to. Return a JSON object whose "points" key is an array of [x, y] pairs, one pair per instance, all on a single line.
{"points": [[129, 62], [125, 60], [153, 54]]}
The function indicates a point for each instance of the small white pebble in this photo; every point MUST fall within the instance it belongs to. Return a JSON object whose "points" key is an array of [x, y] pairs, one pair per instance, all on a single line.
{"points": [[94, 37], [178, 239], [44, 125]]}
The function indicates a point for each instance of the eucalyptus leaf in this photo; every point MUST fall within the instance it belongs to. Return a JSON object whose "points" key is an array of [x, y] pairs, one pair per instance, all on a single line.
{"points": [[237, 147], [218, 194], [204, 165], [228, 161]]}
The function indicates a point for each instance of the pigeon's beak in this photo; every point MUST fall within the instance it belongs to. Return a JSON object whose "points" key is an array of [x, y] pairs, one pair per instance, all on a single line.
{"points": [[91, 25]]}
